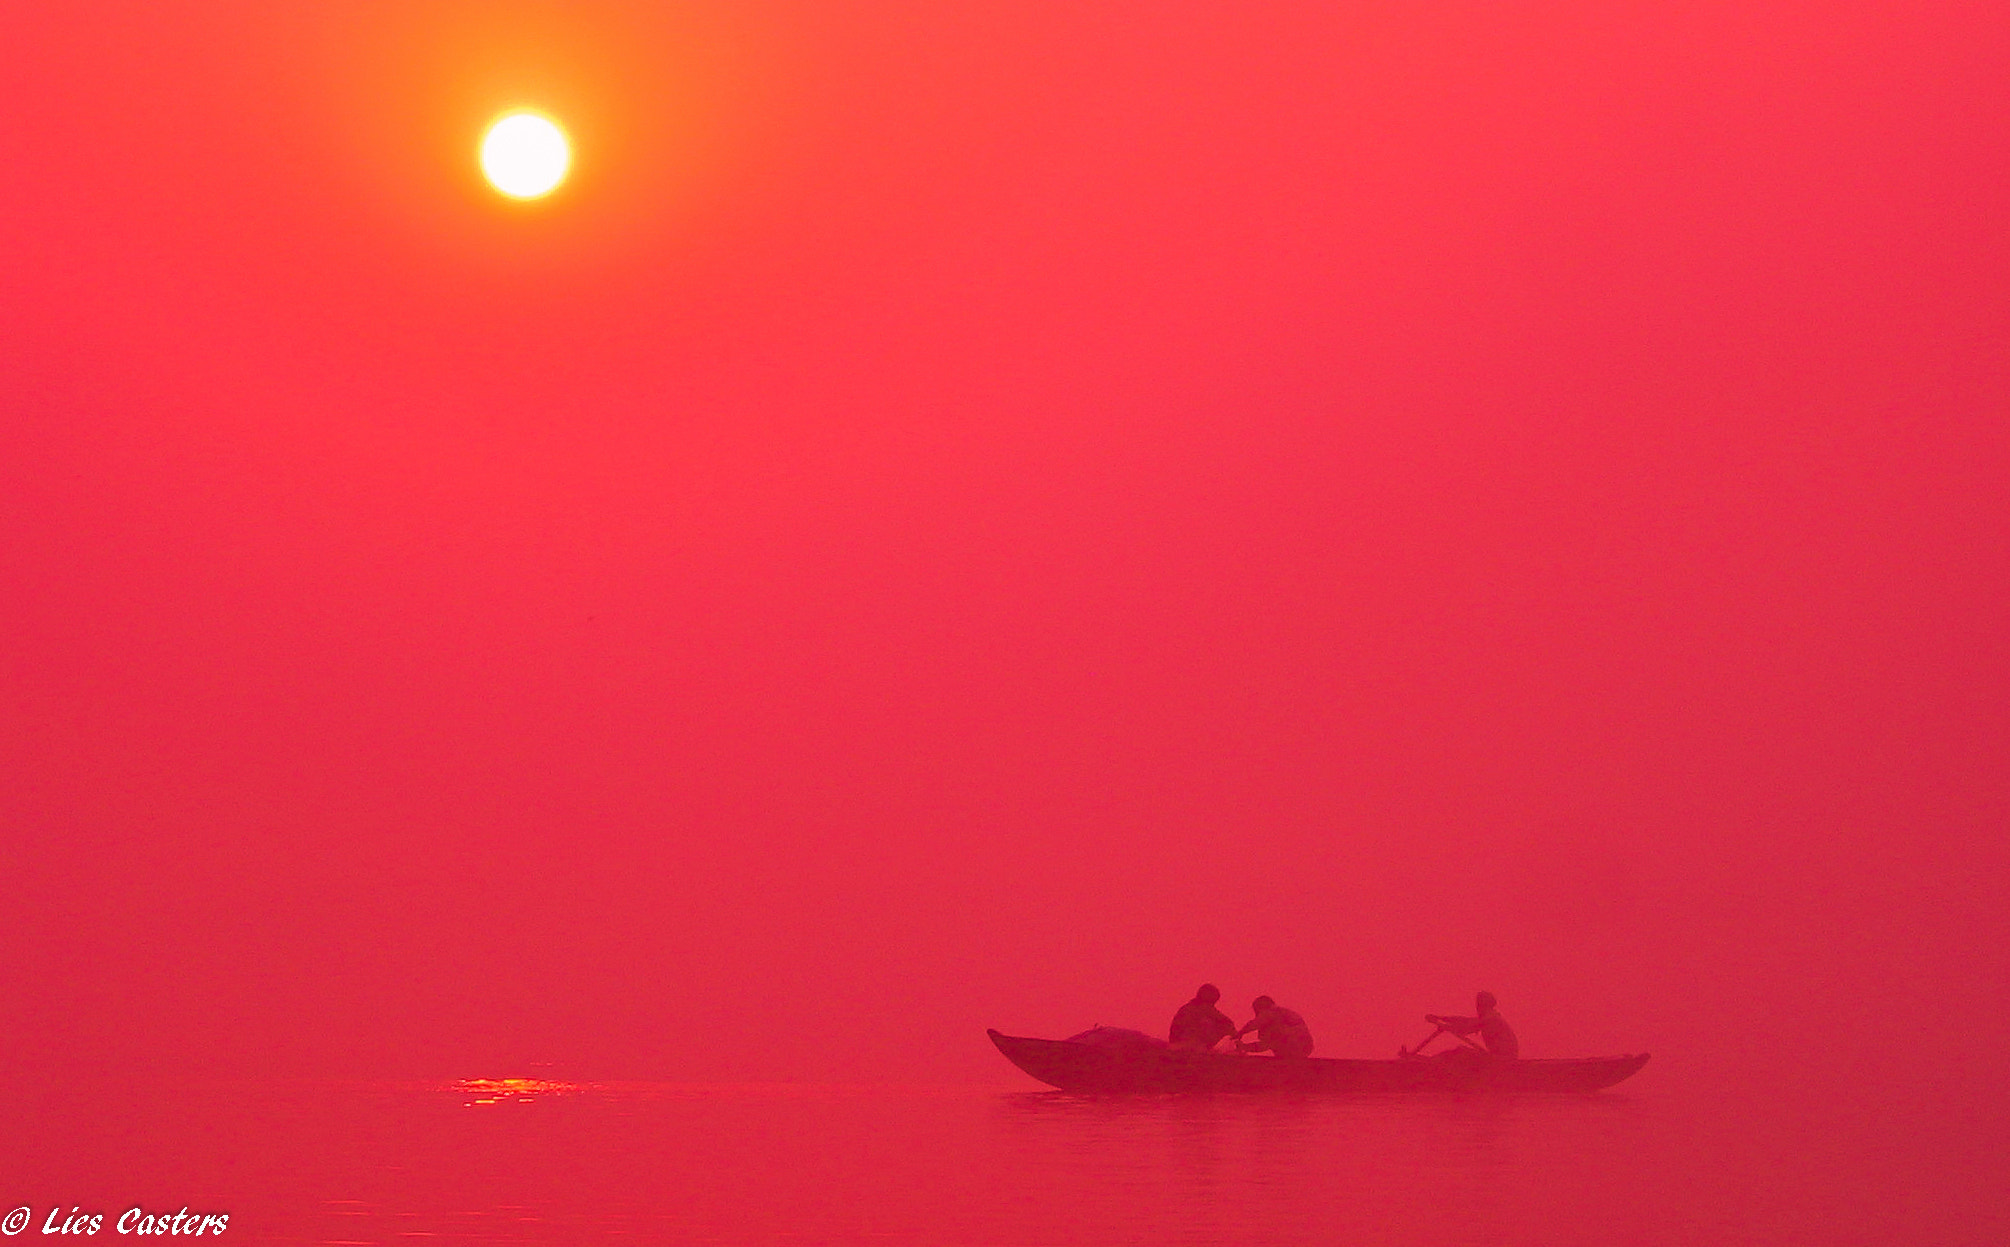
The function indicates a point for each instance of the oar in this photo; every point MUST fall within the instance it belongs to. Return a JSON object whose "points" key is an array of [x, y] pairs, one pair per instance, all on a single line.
{"points": [[1433, 1035]]}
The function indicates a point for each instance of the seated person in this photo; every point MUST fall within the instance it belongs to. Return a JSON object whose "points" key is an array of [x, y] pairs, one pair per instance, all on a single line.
{"points": [[1279, 1031], [1199, 1026], [1492, 1027]]}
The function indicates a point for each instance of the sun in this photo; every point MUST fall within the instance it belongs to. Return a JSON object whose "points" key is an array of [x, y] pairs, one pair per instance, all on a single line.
{"points": [[525, 155]]}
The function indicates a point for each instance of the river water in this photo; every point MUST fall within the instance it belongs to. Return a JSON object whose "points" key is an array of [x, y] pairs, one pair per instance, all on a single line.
{"points": [[1661, 1160]]}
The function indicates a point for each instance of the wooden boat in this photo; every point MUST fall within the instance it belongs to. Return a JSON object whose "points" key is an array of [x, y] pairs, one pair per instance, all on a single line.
{"points": [[1151, 1066]]}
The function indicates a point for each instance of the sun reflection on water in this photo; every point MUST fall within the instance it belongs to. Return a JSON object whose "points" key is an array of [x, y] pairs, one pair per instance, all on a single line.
{"points": [[514, 1090]]}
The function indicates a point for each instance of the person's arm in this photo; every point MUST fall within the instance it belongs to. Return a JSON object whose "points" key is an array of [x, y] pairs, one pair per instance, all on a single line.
{"points": [[1458, 1026]]}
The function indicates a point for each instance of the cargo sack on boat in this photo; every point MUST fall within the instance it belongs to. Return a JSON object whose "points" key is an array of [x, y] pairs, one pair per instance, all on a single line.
{"points": [[1116, 1037]]}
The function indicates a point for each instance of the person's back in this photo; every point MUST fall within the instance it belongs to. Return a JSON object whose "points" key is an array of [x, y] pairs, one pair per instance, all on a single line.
{"points": [[1198, 1025], [1497, 1035], [1279, 1031], [1285, 1033]]}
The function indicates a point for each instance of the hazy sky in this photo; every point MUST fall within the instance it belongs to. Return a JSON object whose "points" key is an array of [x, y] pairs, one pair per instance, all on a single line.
{"points": [[991, 513]]}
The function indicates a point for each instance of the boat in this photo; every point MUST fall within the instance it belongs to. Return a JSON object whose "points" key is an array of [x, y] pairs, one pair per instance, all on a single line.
{"points": [[1126, 1062]]}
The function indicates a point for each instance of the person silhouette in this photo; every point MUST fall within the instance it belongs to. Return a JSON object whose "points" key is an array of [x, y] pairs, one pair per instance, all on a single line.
{"points": [[1492, 1027], [1199, 1026], [1279, 1031]]}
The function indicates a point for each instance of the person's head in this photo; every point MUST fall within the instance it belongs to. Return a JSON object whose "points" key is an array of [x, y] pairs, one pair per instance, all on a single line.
{"points": [[1484, 1002], [1207, 994], [1263, 1004]]}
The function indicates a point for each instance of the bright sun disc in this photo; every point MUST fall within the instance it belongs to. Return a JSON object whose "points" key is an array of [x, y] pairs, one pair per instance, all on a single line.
{"points": [[525, 156]]}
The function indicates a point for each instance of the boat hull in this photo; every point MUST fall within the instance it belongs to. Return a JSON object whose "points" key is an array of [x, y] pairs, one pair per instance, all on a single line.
{"points": [[1088, 1068]]}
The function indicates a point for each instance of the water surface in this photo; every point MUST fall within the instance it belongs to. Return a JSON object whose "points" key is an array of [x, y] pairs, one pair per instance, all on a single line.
{"points": [[529, 1161]]}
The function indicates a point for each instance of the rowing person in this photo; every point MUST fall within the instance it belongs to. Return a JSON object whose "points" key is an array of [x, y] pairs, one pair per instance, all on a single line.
{"points": [[1279, 1031], [1492, 1027], [1199, 1026]]}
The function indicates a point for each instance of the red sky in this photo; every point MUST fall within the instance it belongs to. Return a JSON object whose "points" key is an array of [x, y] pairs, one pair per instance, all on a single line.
{"points": [[989, 514]]}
